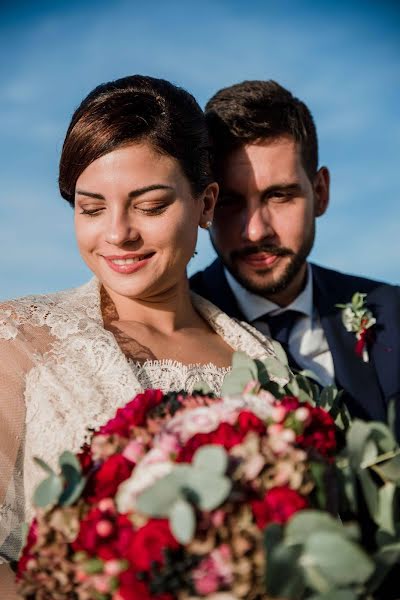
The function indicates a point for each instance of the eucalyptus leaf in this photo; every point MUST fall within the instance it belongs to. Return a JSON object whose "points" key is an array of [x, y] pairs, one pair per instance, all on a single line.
{"points": [[44, 465], [68, 458], [276, 368], [280, 352], [386, 500], [72, 491], [158, 499], [306, 522], [211, 490], [370, 492], [389, 470], [236, 381], [346, 594], [48, 491], [182, 521], [202, 387], [338, 561], [241, 360], [211, 458], [284, 575]]}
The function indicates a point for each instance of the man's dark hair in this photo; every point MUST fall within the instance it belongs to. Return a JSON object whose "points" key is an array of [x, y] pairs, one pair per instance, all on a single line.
{"points": [[131, 110], [251, 111]]}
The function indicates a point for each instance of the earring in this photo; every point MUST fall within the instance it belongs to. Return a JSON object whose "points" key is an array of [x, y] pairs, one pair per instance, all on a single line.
{"points": [[207, 225]]}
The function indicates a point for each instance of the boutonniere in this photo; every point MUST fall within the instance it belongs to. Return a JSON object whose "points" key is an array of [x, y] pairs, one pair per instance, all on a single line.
{"points": [[358, 319]]}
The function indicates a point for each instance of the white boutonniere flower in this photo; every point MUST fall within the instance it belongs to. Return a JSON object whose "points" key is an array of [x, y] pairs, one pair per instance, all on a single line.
{"points": [[359, 320]]}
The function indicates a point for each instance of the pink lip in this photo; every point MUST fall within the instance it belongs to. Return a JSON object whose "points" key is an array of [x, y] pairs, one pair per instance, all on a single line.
{"points": [[260, 260], [128, 269]]}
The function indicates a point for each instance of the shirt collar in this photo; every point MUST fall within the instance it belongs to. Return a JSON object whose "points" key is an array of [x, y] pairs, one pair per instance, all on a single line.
{"points": [[254, 306]]}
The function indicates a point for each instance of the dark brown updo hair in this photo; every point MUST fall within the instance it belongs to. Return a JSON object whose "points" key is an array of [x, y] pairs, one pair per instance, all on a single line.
{"points": [[131, 110]]}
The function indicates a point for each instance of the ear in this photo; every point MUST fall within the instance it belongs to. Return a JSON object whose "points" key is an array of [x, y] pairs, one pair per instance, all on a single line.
{"points": [[321, 191], [209, 200]]}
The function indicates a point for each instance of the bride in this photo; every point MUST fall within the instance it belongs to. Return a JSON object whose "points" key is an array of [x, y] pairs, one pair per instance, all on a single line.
{"points": [[135, 168]]}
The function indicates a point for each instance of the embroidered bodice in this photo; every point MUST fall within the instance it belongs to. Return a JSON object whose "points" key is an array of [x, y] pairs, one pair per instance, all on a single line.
{"points": [[61, 372]]}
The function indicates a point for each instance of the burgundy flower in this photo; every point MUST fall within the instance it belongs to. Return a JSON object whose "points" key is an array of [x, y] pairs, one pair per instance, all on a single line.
{"points": [[104, 482], [277, 506], [133, 414], [27, 551], [149, 544]]}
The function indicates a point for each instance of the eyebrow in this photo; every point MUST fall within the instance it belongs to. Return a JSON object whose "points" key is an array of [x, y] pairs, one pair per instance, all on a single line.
{"points": [[132, 194]]}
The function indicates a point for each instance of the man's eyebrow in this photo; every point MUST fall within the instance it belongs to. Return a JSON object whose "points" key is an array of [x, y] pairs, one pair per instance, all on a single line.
{"points": [[132, 194]]}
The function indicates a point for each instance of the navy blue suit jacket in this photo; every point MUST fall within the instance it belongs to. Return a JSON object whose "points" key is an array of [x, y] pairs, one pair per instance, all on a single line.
{"points": [[368, 386]]}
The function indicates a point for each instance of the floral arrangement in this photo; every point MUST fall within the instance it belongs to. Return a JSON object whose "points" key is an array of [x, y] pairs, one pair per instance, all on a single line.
{"points": [[358, 319], [192, 496]]}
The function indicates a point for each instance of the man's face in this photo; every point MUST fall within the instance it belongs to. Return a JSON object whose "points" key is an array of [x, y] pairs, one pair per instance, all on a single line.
{"points": [[264, 222]]}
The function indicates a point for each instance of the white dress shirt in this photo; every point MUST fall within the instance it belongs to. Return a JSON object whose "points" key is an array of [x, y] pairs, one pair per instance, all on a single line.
{"points": [[307, 342]]}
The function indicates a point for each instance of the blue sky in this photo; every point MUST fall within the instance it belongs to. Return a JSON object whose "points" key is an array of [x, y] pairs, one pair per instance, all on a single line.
{"points": [[341, 58]]}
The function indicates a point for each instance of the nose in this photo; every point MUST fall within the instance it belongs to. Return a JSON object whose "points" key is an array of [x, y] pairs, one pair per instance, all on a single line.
{"points": [[121, 230], [257, 224]]}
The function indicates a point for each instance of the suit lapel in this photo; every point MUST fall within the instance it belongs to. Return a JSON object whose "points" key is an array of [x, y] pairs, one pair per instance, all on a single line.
{"points": [[356, 377]]}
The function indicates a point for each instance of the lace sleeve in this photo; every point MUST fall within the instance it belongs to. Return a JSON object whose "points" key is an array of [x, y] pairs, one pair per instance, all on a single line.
{"points": [[14, 364]]}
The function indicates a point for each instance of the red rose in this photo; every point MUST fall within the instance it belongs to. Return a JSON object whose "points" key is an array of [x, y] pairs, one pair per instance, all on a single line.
{"points": [[104, 482], [277, 506], [132, 588], [319, 433], [133, 414], [149, 544], [248, 421], [27, 550], [290, 403], [225, 435], [107, 535]]}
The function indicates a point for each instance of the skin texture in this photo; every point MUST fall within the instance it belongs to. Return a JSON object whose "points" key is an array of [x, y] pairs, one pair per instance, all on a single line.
{"points": [[264, 222], [115, 215]]}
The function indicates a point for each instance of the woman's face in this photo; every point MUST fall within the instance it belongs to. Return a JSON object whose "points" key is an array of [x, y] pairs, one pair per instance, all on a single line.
{"points": [[136, 220]]}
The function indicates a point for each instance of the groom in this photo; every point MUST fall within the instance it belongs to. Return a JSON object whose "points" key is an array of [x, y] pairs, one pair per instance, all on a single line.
{"points": [[271, 192]]}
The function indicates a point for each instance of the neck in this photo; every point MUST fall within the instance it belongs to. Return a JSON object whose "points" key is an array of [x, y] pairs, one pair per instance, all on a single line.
{"points": [[290, 293], [167, 311]]}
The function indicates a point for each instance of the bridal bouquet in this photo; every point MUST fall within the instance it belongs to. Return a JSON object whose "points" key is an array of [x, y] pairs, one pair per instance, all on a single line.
{"points": [[190, 496]]}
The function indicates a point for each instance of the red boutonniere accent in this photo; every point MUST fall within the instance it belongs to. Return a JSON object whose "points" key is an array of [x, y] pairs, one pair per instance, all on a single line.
{"points": [[359, 320]]}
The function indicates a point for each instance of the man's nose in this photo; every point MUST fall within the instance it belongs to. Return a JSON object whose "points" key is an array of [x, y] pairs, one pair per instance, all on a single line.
{"points": [[257, 225]]}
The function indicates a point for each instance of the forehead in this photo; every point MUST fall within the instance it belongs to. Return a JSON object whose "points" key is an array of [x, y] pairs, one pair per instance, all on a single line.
{"points": [[263, 164], [138, 164]]}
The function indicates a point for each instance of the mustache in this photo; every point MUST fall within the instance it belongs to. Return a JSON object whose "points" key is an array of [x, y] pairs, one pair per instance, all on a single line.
{"points": [[268, 248]]}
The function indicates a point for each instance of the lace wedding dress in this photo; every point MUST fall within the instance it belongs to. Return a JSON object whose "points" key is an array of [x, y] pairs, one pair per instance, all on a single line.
{"points": [[61, 371]]}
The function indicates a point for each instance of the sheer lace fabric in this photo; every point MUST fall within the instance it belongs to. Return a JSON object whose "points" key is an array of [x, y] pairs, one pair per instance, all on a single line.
{"points": [[61, 371]]}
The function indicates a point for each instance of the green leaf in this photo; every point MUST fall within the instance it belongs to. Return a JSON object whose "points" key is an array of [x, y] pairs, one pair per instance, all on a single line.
{"points": [[276, 368], [48, 491], [182, 521], [388, 470], [385, 515], [211, 490], [280, 353], [306, 522], [202, 387], [330, 560], [68, 458], [347, 594], [236, 381], [212, 458], [158, 499], [284, 576], [93, 566], [241, 360], [44, 465]]}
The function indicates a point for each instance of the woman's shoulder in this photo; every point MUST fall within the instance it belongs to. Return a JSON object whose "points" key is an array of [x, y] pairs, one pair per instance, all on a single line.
{"points": [[44, 309]]}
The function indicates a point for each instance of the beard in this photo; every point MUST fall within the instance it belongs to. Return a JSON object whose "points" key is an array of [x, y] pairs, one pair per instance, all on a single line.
{"points": [[255, 284]]}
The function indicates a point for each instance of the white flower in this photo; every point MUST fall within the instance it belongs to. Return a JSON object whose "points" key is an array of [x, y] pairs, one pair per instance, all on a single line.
{"points": [[142, 478]]}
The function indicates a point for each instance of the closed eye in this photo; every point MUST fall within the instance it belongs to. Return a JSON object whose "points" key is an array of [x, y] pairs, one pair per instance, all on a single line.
{"points": [[91, 212]]}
